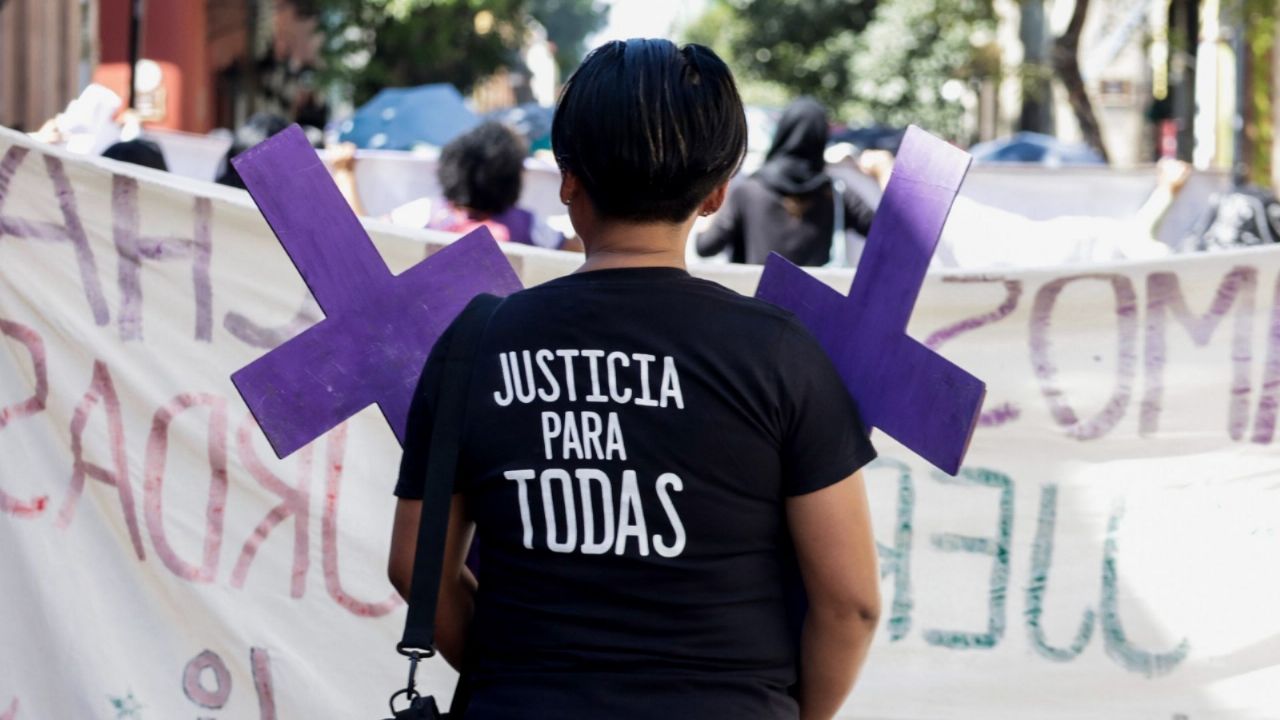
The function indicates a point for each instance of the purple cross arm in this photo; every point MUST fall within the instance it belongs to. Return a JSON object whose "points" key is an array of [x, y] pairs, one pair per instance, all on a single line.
{"points": [[918, 397], [378, 328], [307, 212]]}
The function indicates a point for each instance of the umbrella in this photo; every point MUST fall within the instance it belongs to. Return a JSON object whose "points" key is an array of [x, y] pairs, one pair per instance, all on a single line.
{"points": [[530, 120], [871, 137], [402, 118], [1029, 147]]}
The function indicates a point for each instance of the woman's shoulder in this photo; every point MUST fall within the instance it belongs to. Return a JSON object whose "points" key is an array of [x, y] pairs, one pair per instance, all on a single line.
{"points": [[681, 290], [744, 311]]}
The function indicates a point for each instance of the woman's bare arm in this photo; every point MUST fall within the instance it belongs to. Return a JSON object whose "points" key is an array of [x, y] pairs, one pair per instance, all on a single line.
{"points": [[343, 163], [831, 530], [457, 584]]}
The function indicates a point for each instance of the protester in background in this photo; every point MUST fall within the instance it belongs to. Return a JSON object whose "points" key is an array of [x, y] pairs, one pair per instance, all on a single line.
{"points": [[982, 236], [713, 422], [139, 152], [1243, 217], [310, 110], [88, 124], [257, 128], [480, 174], [788, 206]]}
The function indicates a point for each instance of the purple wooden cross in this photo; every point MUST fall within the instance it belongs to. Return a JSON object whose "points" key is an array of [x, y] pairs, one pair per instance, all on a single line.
{"points": [[915, 395], [378, 327]]}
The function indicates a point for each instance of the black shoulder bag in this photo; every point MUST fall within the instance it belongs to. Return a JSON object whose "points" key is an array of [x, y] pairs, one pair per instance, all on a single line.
{"points": [[418, 640]]}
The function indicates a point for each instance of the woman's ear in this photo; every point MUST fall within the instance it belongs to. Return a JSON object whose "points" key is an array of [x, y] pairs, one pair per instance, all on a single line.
{"points": [[570, 188], [714, 200]]}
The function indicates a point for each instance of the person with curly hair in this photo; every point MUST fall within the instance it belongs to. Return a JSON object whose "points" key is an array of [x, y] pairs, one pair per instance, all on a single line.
{"points": [[480, 174]]}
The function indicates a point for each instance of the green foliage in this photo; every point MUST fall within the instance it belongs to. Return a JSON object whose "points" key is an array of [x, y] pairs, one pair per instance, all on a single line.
{"points": [[1261, 40], [568, 23], [800, 45], [871, 61], [722, 29], [916, 60], [372, 44]]}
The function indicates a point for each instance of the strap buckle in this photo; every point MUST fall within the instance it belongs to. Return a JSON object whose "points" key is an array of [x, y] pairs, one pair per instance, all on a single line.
{"points": [[415, 653], [410, 691]]}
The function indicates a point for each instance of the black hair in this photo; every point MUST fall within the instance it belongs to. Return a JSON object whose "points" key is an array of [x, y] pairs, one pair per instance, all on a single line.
{"points": [[139, 152], [257, 128], [650, 129], [482, 169]]}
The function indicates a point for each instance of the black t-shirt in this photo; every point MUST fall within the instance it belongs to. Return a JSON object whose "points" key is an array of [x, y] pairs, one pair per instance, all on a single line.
{"points": [[630, 438], [758, 220]]}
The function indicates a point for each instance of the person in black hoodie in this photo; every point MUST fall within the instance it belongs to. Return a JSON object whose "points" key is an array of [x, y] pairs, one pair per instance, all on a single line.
{"points": [[257, 128], [138, 152], [788, 206]]}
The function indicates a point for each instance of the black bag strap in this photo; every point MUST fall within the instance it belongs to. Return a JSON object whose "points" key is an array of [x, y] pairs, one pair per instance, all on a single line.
{"points": [[442, 467]]}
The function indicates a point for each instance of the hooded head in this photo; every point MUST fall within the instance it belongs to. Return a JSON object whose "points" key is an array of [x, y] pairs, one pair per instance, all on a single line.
{"points": [[795, 164]]}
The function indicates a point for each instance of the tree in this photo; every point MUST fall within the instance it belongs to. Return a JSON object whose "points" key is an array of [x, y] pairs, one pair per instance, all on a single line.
{"points": [[871, 61], [372, 44], [917, 62], [568, 24], [1034, 74], [1260, 30], [1066, 62], [803, 46]]}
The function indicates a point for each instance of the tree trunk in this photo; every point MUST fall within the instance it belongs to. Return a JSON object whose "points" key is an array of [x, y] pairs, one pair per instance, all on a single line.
{"points": [[1184, 34], [1037, 91], [1066, 61]]}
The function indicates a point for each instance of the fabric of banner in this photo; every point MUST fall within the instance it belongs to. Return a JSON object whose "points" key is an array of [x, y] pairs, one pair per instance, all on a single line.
{"points": [[1110, 550]]}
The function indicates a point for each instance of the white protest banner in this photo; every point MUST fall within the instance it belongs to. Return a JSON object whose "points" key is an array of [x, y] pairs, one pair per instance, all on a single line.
{"points": [[1111, 549]]}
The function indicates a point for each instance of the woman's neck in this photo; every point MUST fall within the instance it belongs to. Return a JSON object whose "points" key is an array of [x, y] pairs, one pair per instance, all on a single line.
{"points": [[624, 245], [471, 214]]}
